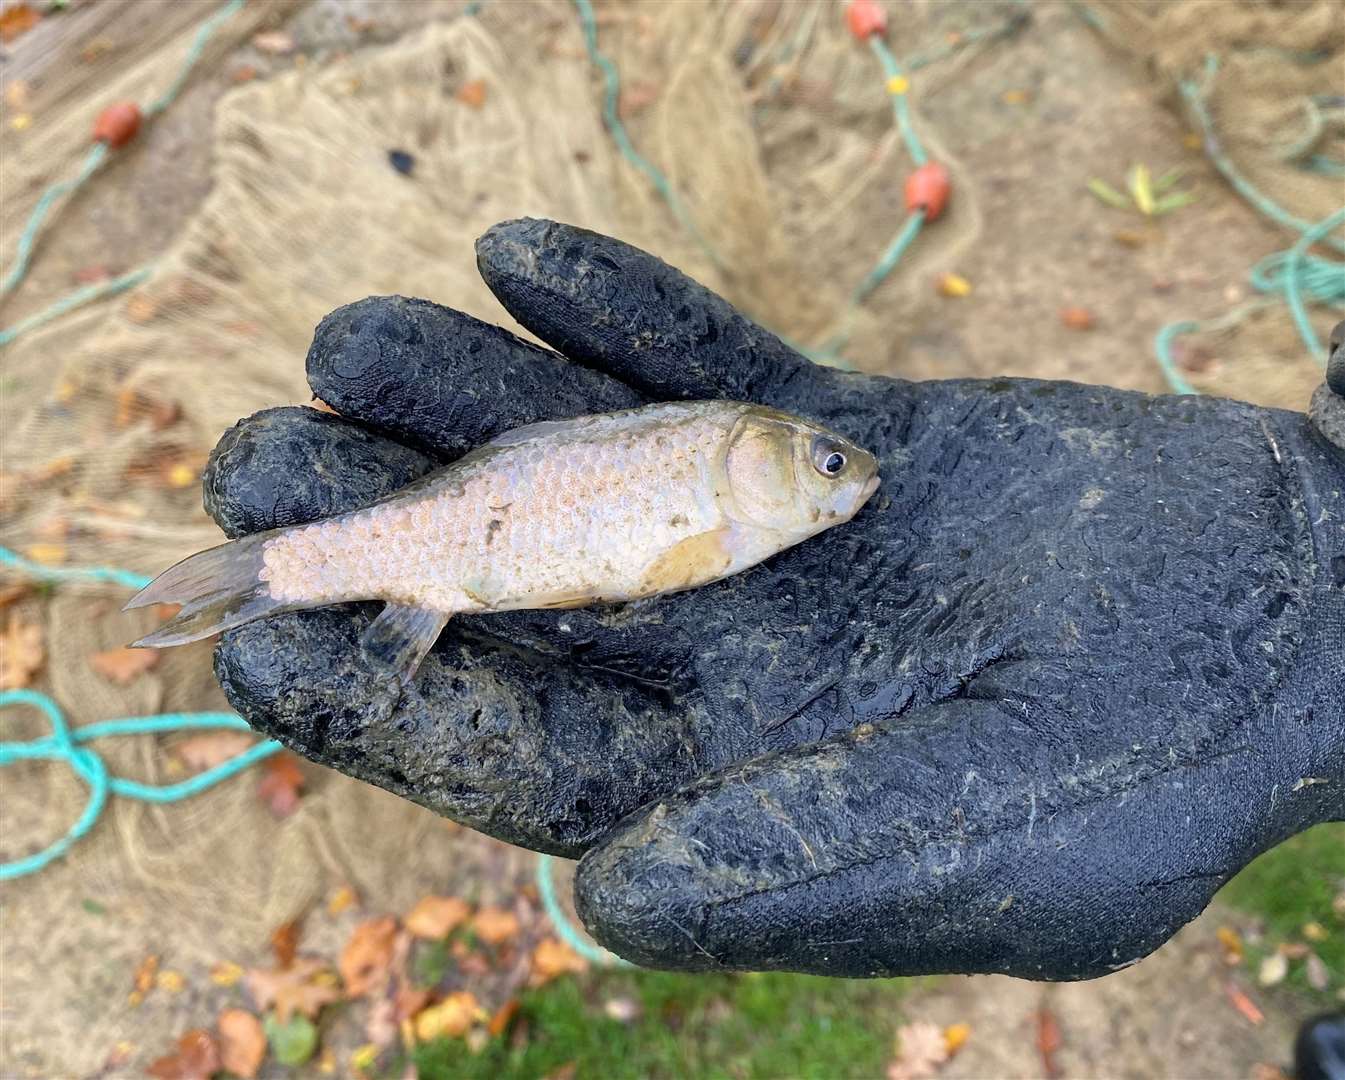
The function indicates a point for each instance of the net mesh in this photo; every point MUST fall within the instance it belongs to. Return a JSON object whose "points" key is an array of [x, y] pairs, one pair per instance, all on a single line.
{"points": [[783, 156]]}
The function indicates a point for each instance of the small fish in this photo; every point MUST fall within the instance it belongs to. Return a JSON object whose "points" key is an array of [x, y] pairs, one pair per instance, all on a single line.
{"points": [[553, 515]]}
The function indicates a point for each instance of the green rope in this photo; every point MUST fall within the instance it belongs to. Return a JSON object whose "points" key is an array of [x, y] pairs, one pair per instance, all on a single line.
{"points": [[611, 116], [1296, 276], [901, 109], [78, 298], [67, 744], [546, 890], [96, 156], [1194, 94], [102, 574]]}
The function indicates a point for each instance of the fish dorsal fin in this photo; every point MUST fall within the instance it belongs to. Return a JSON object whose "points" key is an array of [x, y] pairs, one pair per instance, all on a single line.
{"points": [[401, 636]]}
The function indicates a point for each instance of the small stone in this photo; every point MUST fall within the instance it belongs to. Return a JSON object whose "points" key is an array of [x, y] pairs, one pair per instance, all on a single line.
{"points": [[403, 162]]}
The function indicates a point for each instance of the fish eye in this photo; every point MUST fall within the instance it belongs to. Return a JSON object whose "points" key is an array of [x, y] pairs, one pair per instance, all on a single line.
{"points": [[827, 457]]}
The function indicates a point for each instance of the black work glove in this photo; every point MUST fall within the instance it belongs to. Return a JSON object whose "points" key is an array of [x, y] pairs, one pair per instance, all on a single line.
{"points": [[1079, 660]]}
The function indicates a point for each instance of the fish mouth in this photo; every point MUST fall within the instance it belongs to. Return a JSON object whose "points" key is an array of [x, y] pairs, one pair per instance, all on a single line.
{"points": [[870, 488]]}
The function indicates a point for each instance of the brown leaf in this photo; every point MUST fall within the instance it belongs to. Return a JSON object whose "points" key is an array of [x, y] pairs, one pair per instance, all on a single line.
{"points": [[242, 1043], [563, 1072], [504, 1016], [275, 42], [472, 93], [553, 958], [9, 594], [637, 96], [244, 73], [123, 666], [1245, 1005], [197, 1058], [303, 988], [367, 957], [1314, 968], [16, 20], [143, 980], [1231, 940], [451, 1018], [1076, 318], [1049, 1041], [436, 917], [921, 1049], [211, 748], [285, 942], [22, 653], [281, 782], [495, 925]]}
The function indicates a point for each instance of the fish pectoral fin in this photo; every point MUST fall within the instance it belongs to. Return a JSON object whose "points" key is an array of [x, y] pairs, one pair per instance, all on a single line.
{"points": [[694, 561], [401, 636]]}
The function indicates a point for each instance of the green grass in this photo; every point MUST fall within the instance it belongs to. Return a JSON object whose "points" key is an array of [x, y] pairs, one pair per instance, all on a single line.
{"points": [[1290, 886], [691, 1025]]}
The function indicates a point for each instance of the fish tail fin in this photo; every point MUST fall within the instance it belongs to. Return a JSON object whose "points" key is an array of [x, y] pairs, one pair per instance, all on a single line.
{"points": [[219, 588]]}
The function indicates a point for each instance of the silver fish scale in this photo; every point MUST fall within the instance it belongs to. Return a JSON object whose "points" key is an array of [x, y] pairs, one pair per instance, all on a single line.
{"points": [[559, 513]]}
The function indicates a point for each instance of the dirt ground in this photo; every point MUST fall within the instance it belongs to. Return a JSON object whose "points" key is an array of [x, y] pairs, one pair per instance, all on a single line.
{"points": [[1026, 123]]}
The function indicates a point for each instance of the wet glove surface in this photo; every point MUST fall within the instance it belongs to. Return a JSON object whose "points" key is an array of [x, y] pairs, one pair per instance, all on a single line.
{"points": [[1079, 660]]}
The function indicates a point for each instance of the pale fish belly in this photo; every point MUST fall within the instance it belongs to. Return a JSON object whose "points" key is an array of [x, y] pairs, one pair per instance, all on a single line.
{"points": [[540, 524]]}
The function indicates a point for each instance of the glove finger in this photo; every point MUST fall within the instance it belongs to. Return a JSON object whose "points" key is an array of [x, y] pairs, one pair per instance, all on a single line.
{"points": [[514, 743], [442, 381], [614, 308], [293, 465], [918, 849]]}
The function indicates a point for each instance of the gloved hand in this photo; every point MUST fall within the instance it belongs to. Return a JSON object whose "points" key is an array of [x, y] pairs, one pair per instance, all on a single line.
{"points": [[1079, 660]]}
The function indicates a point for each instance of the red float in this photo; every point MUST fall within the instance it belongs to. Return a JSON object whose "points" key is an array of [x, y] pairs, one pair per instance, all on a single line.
{"points": [[927, 189], [117, 124]]}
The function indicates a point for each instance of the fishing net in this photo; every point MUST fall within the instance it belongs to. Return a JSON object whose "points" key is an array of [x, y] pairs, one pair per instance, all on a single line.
{"points": [[770, 125], [1263, 88]]}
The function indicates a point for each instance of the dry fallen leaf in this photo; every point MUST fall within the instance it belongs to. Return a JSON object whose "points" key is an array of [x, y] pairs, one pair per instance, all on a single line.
{"points": [[472, 93], [10, 594], [1049, 1041], [451, 1018], [637, 96], [955, 1037], [1314, 967], [285, 942], [563, 1072], [281, 782], [242, 1043], [1264, 1071], [343, 898], [1245, 1005], [1231, 940], [436, 917], [16, 20], [504, 1016], [48, 554], [553, 958], [226, 973], [197, 1058], [21, 653], [367, 957], [921, 1049], [1076, 318], [123, 666], [171, 981], [623, 1010], [300, 988], [953, 285], [1273, 969], [495, 925], [212, 748], [275, 42]]}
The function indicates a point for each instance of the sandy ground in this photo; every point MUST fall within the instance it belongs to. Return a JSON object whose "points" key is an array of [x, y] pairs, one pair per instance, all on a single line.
{"points": [[1031, 126]]}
